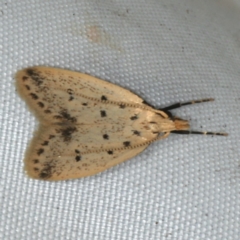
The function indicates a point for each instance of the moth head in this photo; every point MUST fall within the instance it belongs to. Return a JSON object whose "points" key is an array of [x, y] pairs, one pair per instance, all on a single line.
{"points": [[181, 124]]}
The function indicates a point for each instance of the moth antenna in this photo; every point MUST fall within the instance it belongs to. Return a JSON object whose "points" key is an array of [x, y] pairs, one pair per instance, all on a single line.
{"points": [[179, 104], [198, 132]]}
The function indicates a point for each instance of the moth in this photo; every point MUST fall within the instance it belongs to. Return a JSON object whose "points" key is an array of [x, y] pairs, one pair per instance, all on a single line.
{"points": [[88, 125]]}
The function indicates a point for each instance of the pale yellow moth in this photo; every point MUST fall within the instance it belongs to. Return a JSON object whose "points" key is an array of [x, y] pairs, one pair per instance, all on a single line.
{"points": [[88, 125]]}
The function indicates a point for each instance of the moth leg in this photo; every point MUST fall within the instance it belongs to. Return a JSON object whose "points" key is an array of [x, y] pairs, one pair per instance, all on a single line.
{"points": [[162, 136], [178, 105]]}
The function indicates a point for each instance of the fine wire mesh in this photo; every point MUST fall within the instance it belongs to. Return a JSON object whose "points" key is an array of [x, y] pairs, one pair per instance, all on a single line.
{"points": [[183, 187]]}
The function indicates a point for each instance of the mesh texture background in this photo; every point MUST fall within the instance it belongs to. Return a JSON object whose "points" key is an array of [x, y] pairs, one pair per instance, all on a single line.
{"points": [[184, 187]]}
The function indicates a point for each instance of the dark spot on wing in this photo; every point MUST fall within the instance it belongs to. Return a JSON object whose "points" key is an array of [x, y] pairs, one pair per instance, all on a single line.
{"points": [[126, 144], [105, 136], [45, 143], [24, 78], [135, 132], [135, 117], [30, 71], [110, 152], [34, 96], [64, 115], [84, 104], [78, 158], [35, 161], [36, 77], [70, 92], [46, 171], [122, 105], [103, 113], [66, 133], [57, 117], [27, 87], [51, 136], [67, 116], [104, 98], [40, 104], [40, 151], [47, 111]]}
